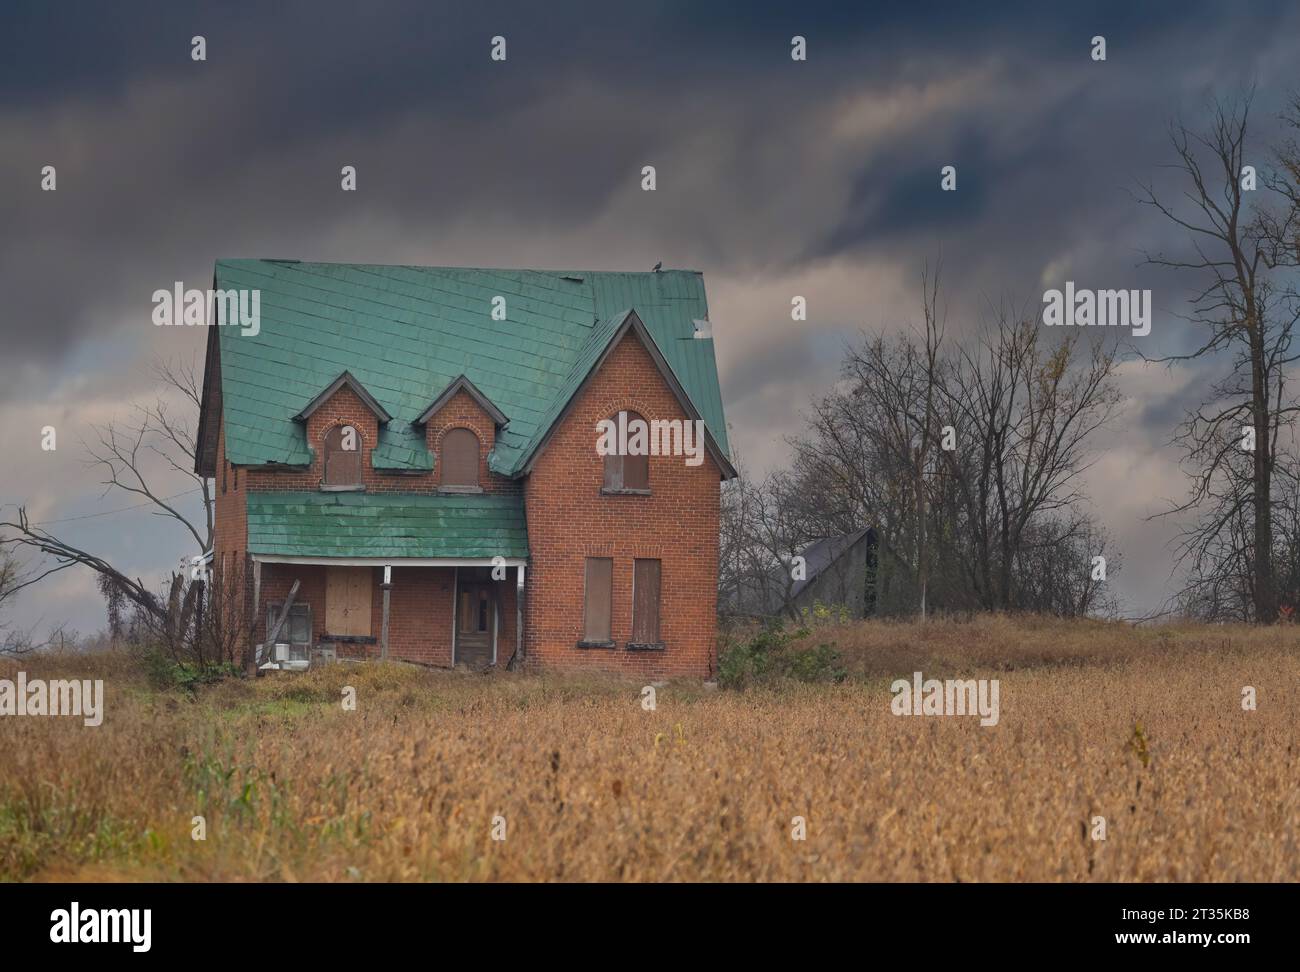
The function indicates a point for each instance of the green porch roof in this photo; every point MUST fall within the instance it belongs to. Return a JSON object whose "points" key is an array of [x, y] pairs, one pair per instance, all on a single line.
{"points": [[396, 525], [406, 332]]}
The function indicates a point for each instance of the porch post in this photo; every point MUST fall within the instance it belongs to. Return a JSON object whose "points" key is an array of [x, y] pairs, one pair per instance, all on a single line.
{"points": [[387, 587], [250, 624], [519, 616]]}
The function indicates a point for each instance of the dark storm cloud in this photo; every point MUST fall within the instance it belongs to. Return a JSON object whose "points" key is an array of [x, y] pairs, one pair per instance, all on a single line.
{"points": [[53, 50], [178, 162], [249, 142], [169, 158], [1166, 410], [895, 199], [789, 358]]}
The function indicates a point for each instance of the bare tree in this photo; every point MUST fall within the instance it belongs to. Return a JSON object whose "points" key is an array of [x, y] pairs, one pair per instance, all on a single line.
{"points": [[1247, 312], [764, 528], [1027, 414], [922, 444], [122, 453], [869, 456], [13, 578]]}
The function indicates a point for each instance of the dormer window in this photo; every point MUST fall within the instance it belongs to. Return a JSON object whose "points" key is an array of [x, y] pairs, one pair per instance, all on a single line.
{"points": [[460, 460], [342, 450]]}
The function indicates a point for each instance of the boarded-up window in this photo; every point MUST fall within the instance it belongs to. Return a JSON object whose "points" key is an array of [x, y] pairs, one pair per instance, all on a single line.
{"points": [[629, 471], [599, 599], [645, 602], [347, 600], [459, 458], [342, 447]]}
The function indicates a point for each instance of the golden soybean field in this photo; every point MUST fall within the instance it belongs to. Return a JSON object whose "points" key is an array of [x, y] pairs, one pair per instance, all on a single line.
{"points": [[1144, 727]]}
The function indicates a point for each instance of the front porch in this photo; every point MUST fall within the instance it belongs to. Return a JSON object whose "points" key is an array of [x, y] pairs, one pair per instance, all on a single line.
{"points": [[445, 614], [428, 578]]}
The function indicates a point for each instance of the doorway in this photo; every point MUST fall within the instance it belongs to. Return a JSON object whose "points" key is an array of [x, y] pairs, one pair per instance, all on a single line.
{"points": [[476, 622]]}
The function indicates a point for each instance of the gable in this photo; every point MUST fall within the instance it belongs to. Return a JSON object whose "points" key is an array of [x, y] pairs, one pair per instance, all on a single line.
{"points": [[605, 340], [345, 380], [406, 333], [462, 386], [568, 478]]}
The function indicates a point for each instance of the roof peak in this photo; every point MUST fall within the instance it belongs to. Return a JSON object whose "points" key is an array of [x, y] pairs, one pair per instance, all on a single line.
{"points": [[345, 380], [550, 271], [459, 384]]}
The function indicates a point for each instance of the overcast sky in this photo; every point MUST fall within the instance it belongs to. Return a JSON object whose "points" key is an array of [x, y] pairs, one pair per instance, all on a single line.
{"points": [[776, 178]]}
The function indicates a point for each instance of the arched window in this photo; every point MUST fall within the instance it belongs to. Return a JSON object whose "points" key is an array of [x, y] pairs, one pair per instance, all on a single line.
{"points": [[342, 448], [460, 459], [630, 470]]}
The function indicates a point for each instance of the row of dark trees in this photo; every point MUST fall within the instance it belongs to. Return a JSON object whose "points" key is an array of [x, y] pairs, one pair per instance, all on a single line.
{"points": [[964, 460]]}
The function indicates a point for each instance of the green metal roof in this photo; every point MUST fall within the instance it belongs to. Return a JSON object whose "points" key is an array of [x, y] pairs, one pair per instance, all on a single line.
{"points": [[393, 525], [406, 332]]}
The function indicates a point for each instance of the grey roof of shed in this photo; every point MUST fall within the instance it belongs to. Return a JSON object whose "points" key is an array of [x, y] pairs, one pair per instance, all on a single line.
{"points": [[820, 554]]}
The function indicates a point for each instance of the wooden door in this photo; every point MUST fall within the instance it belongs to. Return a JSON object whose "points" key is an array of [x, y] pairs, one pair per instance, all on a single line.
{"points": [[347, 600], [475, 623]]}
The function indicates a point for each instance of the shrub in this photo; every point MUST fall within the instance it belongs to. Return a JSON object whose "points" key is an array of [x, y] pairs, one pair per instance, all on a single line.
{"points": [[166, 673], [771, 655]]}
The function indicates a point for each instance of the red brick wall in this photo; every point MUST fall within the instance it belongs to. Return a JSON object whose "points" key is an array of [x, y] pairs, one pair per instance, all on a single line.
{"points": [[229, 592], [230, 525], [569, 520]]}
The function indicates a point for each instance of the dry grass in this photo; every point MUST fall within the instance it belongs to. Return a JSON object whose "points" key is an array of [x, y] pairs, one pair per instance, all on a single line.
{"points": [[595, 788]]}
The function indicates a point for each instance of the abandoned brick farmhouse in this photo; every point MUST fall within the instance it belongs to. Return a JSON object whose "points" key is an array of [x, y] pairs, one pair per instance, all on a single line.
{"points": [[406, 459]]}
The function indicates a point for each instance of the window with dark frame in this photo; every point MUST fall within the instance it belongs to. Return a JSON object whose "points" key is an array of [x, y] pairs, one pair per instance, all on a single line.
{"points": [[296, 629], [599, 601], [627, 473], [645, 602], [342, 466], [460, 455]]}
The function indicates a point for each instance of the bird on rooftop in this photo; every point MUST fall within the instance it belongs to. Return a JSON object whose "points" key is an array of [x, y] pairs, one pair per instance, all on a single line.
{"points": [[658, 265]]}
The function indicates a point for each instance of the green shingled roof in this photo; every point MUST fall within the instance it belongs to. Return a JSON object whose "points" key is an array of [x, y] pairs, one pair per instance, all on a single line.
{"points": [[388, 525], [406, 332]]}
